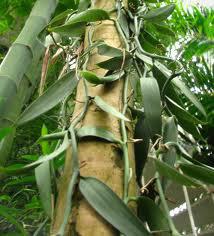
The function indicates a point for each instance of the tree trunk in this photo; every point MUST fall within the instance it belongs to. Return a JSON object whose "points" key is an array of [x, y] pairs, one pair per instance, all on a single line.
{"points": [[101, 159]]}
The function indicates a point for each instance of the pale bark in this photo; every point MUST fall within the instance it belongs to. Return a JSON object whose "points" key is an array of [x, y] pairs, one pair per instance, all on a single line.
{"points": [[103, 160]]}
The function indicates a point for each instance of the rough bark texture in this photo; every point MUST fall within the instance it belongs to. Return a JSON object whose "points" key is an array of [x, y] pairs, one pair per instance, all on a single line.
{"points": [[103, 160]]}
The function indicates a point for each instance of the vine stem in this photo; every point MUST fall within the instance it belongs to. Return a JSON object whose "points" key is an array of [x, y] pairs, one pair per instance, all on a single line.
{"points": [[124, 145], [165, 206]]}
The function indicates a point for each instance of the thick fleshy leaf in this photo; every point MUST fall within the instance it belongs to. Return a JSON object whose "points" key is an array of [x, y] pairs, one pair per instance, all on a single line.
{"points": [[43, 180], [186, 91], [111, 207], [163, 29], [109, 109], [4, 213], [61, 16], [204, 174], [171, 173], [55, 94], [94, 79], [87, 131], [71, 30], [151, 213], [5, 131], [141, 148], [105, 49], [170, 134], [89, 15], [159, 14], [152, 105], [179, 111], [115, 63]]}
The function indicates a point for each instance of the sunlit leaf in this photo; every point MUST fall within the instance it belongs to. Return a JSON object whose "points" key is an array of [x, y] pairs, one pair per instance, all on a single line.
{"points": [[159, 14]]}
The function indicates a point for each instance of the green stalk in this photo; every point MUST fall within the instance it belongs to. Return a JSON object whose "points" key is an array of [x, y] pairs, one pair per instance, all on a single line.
{"points": [[19, 69]]}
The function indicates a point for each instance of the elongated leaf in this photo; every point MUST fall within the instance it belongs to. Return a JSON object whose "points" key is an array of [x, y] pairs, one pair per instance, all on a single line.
{"points": [[102, 133], [170, 134], [52, 155], [109, 109], [159, 14], [179, 111], [201, 173], [114, 63], [4, 213], [94, 79], [152, 106], [141, 148], [20, 168], [55, 94], [148, 211], [61, 16], [21, 181], [186, 91], [89, 15], [173, 174], [43, 180], [71, 30], [111, 207], [163, 29], [5, 131], [110, 51]]}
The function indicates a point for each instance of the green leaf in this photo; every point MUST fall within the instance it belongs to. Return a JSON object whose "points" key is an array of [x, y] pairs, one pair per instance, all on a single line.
{"points": [[141, 148], [61, 16], [181, 112], [170, 134], [148, 211], [87, 131], [4, 213], [171, 173], [163, 29], [45, 145], [43, 180], [55, 94], [114, 63], [201, 173], [5, 131], [186, 91], [152, 105], [71, 30], [20, 168], [111, 207], [109, 109], [83, 5], [159, 14], [94, 79], [20, 181], [106, 50]]}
